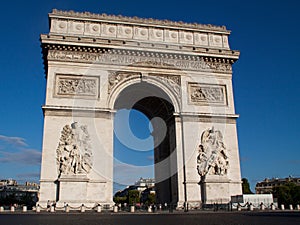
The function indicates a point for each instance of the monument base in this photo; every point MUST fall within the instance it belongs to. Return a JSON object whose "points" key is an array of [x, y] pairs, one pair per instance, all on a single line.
{"points": [[215, 190], [72, 187], [89, 193]]}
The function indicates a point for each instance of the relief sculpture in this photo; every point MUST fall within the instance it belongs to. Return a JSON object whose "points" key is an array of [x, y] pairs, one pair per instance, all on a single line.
{"points": [[76, 86], [74, 153], [117, 77], [207, 94], [212, 157]]}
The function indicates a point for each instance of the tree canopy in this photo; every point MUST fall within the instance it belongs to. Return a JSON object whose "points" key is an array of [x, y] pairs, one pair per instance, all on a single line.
{"points": [[287, 194], [246, 186]]}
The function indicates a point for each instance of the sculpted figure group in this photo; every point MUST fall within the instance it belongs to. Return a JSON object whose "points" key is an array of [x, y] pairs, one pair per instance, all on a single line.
{"points": [[212, 157], [74, 155]]}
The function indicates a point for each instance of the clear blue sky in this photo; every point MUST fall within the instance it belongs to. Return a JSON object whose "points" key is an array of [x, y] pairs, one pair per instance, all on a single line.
{"points": [[266, 78]]}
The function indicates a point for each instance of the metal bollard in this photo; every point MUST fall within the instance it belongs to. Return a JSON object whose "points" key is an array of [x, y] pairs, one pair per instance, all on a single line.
{"points": [[38, 208], [251, 207], [82, 209], [298, 207], [52, 209], [149, 209], [132, 208], [67, 208], [282, 207], [12, 208], [291, 207], [115, 209], [262, 206], [1, 209], [99, 208], [24, 208], [272, 207]]}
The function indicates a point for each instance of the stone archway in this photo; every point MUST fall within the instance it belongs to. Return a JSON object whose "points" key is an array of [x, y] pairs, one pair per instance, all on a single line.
{"points": [[177, 71], [154, 103]]}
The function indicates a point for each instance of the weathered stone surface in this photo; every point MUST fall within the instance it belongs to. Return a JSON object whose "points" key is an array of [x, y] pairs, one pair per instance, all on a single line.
{"points": [[181, 72]]}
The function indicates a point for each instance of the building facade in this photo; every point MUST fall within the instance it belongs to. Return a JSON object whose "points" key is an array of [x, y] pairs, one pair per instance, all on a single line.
{"points": [[267, 185], [13, 193]]}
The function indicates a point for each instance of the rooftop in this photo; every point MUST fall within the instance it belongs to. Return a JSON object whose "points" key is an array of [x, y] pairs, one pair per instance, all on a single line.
{"points": [[140, 21]]}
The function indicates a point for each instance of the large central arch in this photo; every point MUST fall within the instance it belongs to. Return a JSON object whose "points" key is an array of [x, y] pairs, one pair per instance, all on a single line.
{"points": [[155, 103]]}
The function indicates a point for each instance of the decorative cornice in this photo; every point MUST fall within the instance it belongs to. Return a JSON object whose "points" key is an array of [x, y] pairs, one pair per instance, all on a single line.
{"points": [[148, 21], [137, 58], [209, 117], [65, 111]]}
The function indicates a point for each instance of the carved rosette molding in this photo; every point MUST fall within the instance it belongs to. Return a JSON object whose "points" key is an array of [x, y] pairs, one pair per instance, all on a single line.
{"points": [[74, 153], [157, 31], [213, 157], [76, 86], [207, 94], [120, 18], [142, 59]]}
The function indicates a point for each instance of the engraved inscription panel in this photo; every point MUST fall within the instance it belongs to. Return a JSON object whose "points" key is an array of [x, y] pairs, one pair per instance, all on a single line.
{"points": [[77, 86], [204, 94]]}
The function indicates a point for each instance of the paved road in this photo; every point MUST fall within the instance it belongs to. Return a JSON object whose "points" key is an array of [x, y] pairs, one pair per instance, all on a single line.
{"points": [[205, 218]]}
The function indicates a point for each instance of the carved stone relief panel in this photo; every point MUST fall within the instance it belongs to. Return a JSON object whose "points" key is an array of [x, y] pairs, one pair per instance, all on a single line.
{"points": [[117, 77], [186, 37], [74, 151], [215, 40], [213, 156], [140, 33], [108, 30], [171, 36], [201, 39], [124, 32], [207, 94], [156, 34], [173, 81], [141, 58], [76, 27], [92, 29], [76, 86], [225, 41], [59, 26]]}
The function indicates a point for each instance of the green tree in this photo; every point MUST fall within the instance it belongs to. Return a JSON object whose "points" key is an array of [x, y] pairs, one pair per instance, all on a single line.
{"points": [[133, 196], [27, 200], [150, 199], [246, 186], [287, 194], [121, 200]]}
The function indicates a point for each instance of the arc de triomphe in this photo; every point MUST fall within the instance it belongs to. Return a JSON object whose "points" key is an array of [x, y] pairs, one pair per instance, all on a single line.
{"points": [[178, 74]]}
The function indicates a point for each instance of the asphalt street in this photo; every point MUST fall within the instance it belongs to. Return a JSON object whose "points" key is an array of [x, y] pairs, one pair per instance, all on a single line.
{"points": [[190, 218]]}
